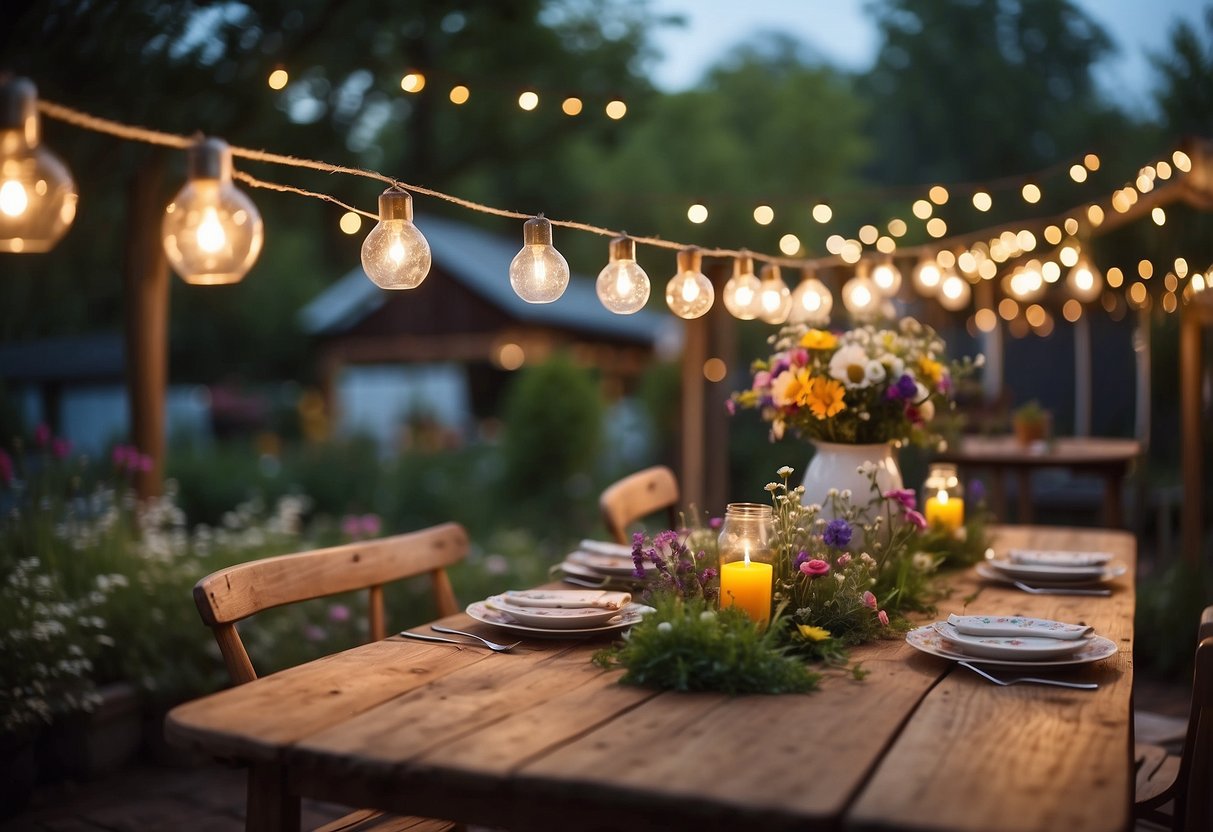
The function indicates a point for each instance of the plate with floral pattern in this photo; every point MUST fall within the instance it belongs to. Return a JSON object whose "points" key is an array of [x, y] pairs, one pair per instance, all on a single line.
{"points": [[928, 640], [630, 614], [1108, 573], [1015, 648]]}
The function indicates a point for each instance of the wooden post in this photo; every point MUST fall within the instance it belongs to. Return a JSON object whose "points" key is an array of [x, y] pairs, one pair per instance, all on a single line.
{"points": [[723, 345], [1190, 372], [147, 305], [694, 353], [1082, 376]]}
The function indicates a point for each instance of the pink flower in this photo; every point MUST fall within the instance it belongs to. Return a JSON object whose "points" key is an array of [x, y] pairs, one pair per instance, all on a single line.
{"points": [[339, 613], [842, 560], [42, 435], [916, 518], [762, 380], [799, 356], [883, 618], [6, 468], [815, 567], [904, 496], [869, 600], [60, 447], [351, 525], [371, 525], [120, 456], [314, 633], [730, 407], [146, 463]]}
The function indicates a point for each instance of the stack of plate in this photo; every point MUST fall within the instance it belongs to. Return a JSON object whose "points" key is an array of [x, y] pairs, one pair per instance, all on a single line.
{"points": [[1050, 569], [559, 613], [600, 564], [1011, 641]]}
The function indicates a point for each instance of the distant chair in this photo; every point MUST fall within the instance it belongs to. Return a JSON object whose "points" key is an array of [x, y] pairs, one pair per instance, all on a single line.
{"points": [[235, 593], [1183, 781], [637, 496]]}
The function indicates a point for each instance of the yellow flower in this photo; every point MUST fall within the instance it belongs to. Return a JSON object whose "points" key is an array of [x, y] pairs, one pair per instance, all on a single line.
{"points": [[818, 339], [930, 370], [791, 388], [813, 633], [825, 397]]}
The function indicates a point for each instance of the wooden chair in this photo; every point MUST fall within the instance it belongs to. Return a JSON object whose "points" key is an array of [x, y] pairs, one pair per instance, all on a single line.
{"points": [[637, 496], [233, 594], [1185, 781]]}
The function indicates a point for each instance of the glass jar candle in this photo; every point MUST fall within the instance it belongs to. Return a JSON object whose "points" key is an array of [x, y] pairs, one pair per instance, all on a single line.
{"points": [[747, 552], [944, 504]]}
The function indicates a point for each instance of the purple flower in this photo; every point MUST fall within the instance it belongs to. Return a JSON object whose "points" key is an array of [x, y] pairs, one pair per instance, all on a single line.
{"points": [[339, 613], [60, 447], [779, 366], [42, 435], [801, 557], [837, 534], [314, 633], [916, 518], [814, 568], [904, 496], [715, 522], [146, 463], [371, 525], [977, 491], [903, 388], [351, 526], [119, 456]]}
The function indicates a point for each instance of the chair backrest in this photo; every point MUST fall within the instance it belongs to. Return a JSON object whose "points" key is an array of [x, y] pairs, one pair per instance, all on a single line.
{"points": [[637, 496], [235, 593], [1193, 795]]}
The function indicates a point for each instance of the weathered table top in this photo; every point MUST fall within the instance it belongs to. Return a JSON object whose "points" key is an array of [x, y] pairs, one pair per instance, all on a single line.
{"points": [[1064, 451], [542, 739]]}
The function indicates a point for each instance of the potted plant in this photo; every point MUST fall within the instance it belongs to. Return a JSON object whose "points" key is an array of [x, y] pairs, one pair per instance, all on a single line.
{"points": [[1031, 423]]}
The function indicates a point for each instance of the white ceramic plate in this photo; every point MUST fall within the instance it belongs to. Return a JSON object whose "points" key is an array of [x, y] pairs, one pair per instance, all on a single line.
{"points": [[606, 547], [1057, 557], [630, 615], [550, 618], [585, 573], [929, 641], [1023, 648], [1108, 574], [1034, 572], [603, 564]]}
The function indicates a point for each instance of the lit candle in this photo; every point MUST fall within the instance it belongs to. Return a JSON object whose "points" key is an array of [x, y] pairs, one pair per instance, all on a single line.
{"points": [[747, 584], [946, 511]]}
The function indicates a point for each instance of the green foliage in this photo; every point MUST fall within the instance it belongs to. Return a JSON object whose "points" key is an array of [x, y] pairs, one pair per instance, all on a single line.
{"points": [[1169, 606], [1185, 70], [686, 646]]}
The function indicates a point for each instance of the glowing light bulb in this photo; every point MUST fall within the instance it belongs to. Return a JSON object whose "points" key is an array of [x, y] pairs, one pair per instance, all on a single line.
{"points": [[775, 299], [861, 297], [742, 294], [37, 195], [927, 277], [689, 294], [212, 230], [811, 302], [887, 278], [623, 287], [1084, 280], [395, 255], [538, 273], [954, 292]]}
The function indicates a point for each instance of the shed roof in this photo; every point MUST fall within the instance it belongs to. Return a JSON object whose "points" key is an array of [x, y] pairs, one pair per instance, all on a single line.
{"points": [[480, 261]]}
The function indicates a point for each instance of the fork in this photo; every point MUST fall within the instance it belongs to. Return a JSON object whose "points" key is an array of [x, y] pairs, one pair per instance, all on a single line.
{"points": [[1031, 679], [1038, 590], [492, 645]]}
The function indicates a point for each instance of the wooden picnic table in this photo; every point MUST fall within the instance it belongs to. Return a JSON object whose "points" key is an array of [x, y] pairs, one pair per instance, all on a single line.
{"points": [[542, 739], [1105, 457]]}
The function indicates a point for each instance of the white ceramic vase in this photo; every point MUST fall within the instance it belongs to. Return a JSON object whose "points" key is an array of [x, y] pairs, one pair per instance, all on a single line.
{"points": [[836, 465]]}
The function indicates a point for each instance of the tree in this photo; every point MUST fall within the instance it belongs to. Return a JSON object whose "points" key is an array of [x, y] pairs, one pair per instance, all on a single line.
{"points": [[1185, 69]]}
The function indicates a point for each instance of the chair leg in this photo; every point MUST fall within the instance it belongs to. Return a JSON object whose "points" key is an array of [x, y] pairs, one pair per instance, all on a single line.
{"points": [[271, 807]]}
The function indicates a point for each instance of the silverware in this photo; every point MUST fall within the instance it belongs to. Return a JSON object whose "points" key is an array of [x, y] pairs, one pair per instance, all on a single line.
{"points": [[492, 645], [496, 648], [1030, 679], [1040, 590]]}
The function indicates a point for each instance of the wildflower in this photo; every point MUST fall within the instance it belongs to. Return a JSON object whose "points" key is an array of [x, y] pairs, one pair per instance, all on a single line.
{"points": [[904, 388], [664, 627], [875, 372], [350, 525], [771, 486], [930, 370], [339, 613], [42, 435], [785, 471], [866, 468], [883, 618], [923, 562], [977, 490], [707, 615], [730, 407], [791, 388], [818, 339], [915, 518], [904, 496], [838, 533], [809, 633], [801, 557], [814, 567], [371, 525], [314, 633], [843, 560], [60, 447], [824, 397], [715, 522], [847, 365]]}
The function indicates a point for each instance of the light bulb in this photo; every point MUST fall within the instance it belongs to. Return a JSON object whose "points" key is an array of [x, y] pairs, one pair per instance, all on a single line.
{"points": [[927, 277], [1084, 280], [37, 195], [742, 294], [538, 273], [861, 297], [623, 287], [811, 302], [954, 292], [887, 278], [1026, 282], [395, 254], [212, 230], [775, 299], [689, 294]]}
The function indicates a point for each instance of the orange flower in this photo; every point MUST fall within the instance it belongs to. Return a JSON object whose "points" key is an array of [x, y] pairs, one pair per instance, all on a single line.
{"points": [[826, 397], [818, 339], [791, 388]]}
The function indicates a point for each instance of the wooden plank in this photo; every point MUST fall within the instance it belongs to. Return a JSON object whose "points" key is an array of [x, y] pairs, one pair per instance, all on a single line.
{"points": [[990, 759], [258, 720]]}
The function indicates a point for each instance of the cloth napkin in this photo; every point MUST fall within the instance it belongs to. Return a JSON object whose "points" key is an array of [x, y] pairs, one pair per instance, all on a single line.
{"points": [[1037, 557], [1014, 625], [606, 547], [568, 598]]}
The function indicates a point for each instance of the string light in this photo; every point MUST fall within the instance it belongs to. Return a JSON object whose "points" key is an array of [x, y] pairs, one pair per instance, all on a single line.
{"points": [[616, 109], [1078, 173], [1050, 272], [1145, 269], [742, 291], [868, 234], [278, 79], [697, 213], [789, 244], [529, 100], [1084, 281], [689, 294], [764, 215], [921, 209], [460, 94], [1031, 193], [539, 273], [1091, 162], [1158, 215], [861, 297], [1181, 267], [822, 213], [886, 245], [212, 231], [1008, 309], [37, 194], [985, 319], [811, 302], [936, 227], [623, 286], [571, 106], [938, 194], [1095, 215], [395, 254], [887, 277], [1071, 310], [982, 202], [775, 299], [834, 243], [927, 277], [898, 227], [413, 82], [351, 223], [1164, 170], [1068, 254], [1115, 277], [954, 292]]}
